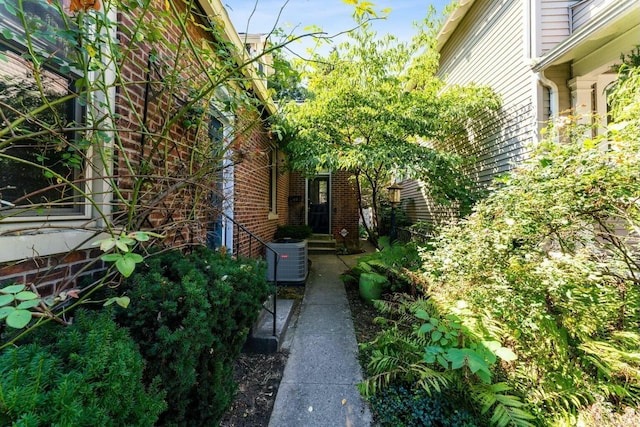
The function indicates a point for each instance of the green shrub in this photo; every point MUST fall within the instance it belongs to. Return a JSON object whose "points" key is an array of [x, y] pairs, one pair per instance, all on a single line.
{"points": [[541, 282], [293, 232], [87, 374], [393, 261], [191, 315]]}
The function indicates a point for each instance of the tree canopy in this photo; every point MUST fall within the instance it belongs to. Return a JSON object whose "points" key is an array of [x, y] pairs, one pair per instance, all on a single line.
{"points": [[373, 105]]}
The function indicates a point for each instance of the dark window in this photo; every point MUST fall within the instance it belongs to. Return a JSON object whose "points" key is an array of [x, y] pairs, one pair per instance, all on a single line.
{"points": [[44, 153]]}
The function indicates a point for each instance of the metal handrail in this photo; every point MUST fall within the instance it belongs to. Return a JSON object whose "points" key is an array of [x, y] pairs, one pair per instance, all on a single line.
{"points": [[239, 227]]}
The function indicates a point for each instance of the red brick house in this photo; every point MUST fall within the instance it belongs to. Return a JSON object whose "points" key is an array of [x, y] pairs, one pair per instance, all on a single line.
{"points": [[154, 173], [328, 204]]}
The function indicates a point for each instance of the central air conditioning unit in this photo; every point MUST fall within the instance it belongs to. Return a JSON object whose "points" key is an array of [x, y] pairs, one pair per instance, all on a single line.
{"points": [[292, 261]]}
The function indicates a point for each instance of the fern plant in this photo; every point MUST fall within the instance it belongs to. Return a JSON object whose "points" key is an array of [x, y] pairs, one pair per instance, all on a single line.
{"points": [[437, 353]]}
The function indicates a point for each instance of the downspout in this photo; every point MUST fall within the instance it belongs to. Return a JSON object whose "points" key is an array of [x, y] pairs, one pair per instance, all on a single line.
{"points": [[554, 102]]}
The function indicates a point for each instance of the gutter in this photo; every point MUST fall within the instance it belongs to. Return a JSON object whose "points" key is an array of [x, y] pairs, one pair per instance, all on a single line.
{"points": [[215, 8], [452, 22], [602, 20]]}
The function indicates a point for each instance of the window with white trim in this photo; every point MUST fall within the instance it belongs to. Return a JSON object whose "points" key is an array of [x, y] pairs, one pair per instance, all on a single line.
{"points": [[44, 152]]}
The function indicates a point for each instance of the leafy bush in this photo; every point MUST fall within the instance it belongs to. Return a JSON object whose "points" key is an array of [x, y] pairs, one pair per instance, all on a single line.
{"points": [[191, 315], [441, 355], [399, 406], [293, 232], [87, 374], [541, 282], [394, 261]]}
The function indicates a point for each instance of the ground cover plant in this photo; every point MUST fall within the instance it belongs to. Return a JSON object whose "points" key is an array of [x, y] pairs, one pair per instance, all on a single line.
{"points": [[533, 300]]}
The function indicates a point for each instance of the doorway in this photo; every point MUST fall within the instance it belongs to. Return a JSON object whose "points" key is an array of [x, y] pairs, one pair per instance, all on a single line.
{"points": [[319, 204]]}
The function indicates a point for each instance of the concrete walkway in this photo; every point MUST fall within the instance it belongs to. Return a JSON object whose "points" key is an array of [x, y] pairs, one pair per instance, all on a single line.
{"points": [[318, 388]]}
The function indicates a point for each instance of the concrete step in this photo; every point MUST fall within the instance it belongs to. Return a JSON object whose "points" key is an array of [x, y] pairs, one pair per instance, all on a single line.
{"points": [[261, 338], [319, 244], [316, 237]]}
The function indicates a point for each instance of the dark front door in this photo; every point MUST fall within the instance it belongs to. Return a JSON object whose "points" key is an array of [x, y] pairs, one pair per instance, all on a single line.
{"points": [[318, 211]]}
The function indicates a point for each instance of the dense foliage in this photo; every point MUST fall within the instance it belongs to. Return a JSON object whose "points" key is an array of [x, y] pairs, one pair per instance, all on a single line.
{"points": [[399, 406], [87, 374], [293, 232], [191, 315], [371, 104], [534, 299]]}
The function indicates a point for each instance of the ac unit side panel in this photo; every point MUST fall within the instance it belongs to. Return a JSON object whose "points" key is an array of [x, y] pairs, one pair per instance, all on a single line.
{"points": [[292, 262]]}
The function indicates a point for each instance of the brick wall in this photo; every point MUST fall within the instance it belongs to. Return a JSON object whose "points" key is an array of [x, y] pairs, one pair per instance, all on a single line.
{"points": [[169, 153], [51, 274], [251, 183], [344, 205]]}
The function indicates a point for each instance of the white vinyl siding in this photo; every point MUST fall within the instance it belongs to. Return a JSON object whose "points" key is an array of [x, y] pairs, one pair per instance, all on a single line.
{"points": [[583, 11], [489, 48], [418, 206], [555, 25]]}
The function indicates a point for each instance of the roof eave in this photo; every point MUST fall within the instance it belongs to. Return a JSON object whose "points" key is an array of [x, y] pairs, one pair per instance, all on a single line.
{"points": [[565, 50], [452, 22], [215, 8]]}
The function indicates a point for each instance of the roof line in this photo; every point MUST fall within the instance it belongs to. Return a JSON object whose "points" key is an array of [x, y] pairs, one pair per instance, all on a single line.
{"points": [[598, 22], [452, 22], [216, 8]]}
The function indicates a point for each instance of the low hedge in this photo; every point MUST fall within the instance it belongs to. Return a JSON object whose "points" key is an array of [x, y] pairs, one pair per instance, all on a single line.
{"points": [[191, 315], [87, 374]]}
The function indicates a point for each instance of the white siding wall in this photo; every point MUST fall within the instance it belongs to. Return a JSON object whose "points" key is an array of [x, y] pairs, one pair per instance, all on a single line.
{"points": [[583, 11], [489, 47], [555, 26], [418, 206]]}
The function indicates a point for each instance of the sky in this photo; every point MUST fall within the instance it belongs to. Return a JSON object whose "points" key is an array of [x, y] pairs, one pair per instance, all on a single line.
{"points": [[333, 16]]}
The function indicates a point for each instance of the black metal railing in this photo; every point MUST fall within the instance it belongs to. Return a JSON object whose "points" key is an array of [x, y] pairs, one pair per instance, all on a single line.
{"points": [[408, 235], [239, 231]]}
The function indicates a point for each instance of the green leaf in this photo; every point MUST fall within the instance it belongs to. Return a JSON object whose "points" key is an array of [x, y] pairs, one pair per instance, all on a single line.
{"points": [[422, 314], [436, 335], [443, 361], [140, 236], [5, 311], [476, 362], [427, 327], [456, 357], [122, 245], [485, 376], [134, 257], [18, 319], [125, 266], [28, 304], [123, 301], [6, 299], [111, 257], [12, 289], [107, 244], [506, 354], [26, 295]]}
